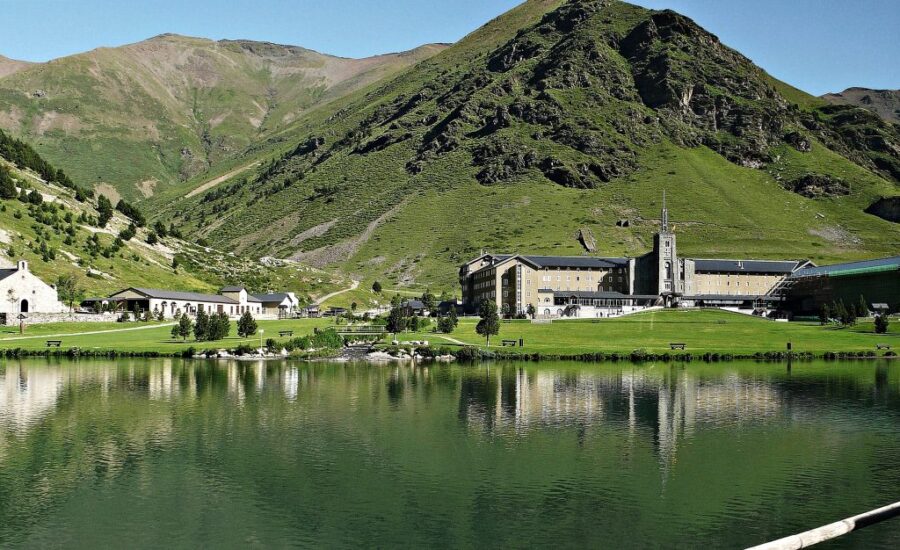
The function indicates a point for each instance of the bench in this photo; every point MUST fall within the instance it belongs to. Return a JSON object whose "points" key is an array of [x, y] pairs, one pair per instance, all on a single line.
{"points": [[55, 343], [882, 346], [284, 333], [678, 346], [509, 343]]}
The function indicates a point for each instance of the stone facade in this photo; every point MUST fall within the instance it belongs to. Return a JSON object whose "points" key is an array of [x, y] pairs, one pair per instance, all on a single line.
{"points": [[608, 286]]}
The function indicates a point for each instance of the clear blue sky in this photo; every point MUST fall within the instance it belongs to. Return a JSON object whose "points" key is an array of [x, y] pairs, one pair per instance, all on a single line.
{"points": [[816, 45]]}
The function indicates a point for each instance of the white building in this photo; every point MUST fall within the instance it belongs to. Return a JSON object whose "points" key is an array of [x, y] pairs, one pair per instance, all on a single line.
{"points": [[22, 292], [233, 301], [279, 304]]}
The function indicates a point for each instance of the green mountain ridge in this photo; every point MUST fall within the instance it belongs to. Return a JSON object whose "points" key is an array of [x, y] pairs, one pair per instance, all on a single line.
{"points": [[555, 117], [132, 120]]}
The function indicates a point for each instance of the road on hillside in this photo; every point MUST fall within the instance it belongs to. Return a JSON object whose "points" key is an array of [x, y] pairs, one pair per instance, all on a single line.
{"points": [[323, 299]]}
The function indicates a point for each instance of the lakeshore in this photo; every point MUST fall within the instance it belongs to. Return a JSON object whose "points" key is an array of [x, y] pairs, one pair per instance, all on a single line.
{"points": [[703, 332]]}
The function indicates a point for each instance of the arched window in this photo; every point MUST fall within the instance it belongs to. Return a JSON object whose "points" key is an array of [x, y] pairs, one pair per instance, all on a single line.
{"points": [[24, 306], [668, 270]]}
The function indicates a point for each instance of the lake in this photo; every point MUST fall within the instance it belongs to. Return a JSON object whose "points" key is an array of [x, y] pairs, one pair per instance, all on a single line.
{"points": [[171, 453]]}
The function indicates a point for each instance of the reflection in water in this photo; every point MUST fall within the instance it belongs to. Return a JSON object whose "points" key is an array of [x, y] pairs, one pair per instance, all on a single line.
{"points": [[709, 452]]}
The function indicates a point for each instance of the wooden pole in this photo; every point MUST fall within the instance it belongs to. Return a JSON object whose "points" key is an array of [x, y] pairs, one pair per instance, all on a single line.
{"points": [[832, 530]]}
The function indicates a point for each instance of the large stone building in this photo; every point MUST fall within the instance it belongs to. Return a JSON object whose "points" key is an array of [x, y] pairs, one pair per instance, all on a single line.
{"points": [[22, 292], [585, 286]]}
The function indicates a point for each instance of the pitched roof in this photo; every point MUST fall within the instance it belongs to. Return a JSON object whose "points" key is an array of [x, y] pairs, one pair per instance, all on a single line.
{"points": [[587, 262], [852, 268], [4, 273], [160, 294], [232, 289], [414, 304], [277, 297], [746, 266]]}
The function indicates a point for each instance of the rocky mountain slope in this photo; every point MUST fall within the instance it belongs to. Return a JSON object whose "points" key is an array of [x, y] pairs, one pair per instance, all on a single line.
{"points": [[133, 120], [885, 103], [558, 117]]}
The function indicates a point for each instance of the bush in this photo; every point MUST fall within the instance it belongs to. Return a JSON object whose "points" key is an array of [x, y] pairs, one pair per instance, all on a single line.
{"points": [[328, 338], [881, 324]]}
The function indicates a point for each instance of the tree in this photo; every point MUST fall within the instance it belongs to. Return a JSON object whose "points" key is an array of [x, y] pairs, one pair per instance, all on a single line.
{"points": [[246, 325], [160, 229], [531, 310], [7, 185], [353, 307], [376, 287], [445, 324], [881, 324], [68, 290], [489, 325], [840, 311], [862, 308], [176, 332], [132, 212], [128, 233], [396, 321], [185, 327], [453, 317], [414, 323], [429, 301], [218, 327], [160, 316], [824, 314], [201, 326], [152, 238], [104, 211]]}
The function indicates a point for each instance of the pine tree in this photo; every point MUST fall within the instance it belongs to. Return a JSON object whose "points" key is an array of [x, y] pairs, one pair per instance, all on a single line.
{"points": [[489, 325], [104, 211], [185, 326], [881, 324], [862, 308], [201, 326], [396, 321], [7, 185], [246, 325], [824, 314]]}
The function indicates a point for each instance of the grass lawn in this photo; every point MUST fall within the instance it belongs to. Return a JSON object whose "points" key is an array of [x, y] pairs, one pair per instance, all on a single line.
{"points": [[701, 331], [139, 337]]}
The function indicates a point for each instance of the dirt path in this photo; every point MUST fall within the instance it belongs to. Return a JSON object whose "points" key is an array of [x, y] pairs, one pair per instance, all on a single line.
{"points": [[320, 301], [214, 182], [88, 333], [452, 340]]}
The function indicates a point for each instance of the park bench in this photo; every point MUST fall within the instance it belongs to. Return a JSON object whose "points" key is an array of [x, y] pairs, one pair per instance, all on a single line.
{"points": [[509, 343], [677, 346], [55, 343], [882, 346], [284, 333]]}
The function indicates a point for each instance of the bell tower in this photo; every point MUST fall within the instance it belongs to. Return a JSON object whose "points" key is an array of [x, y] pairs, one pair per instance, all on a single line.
{"points": [[665, 247]]}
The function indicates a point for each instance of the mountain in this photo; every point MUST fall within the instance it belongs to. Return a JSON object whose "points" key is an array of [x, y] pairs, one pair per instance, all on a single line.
{"points": [[47, 219], [886, 103], [133, 120], [557, 117], [9, 66]]}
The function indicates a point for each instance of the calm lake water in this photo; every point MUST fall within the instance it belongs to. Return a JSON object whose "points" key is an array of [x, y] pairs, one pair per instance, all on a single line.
{"points": [[166, 453]]}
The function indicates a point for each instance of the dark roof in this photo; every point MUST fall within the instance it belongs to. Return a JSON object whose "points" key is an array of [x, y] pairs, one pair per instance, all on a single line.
{"points": [[746, 266], [414, 304], [184, 296], [881, 264], [567, 261], [270, 298], [232, 289], [605, 295], [4, 273]]}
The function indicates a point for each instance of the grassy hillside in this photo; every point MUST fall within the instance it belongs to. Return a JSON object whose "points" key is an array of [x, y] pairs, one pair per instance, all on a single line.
{"points": [[559, 116], [135, 119], [885, 103], [60, 235]]}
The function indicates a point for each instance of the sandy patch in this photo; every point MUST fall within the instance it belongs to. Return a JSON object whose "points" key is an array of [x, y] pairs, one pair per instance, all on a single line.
{"points": [[11, 118], [316, 231], [147, 187], [111, 193], [53, 120]]}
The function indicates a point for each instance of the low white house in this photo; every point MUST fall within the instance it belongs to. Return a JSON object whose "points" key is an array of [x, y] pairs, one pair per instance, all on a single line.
{"points": [[233, 301], [280, 304], [23, 292]]}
